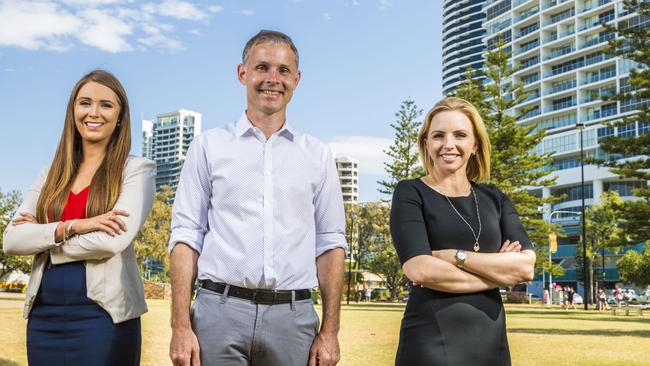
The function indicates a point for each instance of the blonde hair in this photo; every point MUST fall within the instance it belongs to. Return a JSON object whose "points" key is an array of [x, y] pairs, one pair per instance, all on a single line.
{"points": [[106, 184], [478, 166]]}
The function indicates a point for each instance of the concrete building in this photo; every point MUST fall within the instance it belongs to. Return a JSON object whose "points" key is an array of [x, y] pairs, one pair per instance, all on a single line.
{"points": [[348, 169], [166, 141], [559, 46], [462, 40]]}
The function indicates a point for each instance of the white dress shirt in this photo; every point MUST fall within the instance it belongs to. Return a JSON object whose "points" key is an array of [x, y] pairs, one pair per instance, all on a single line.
{"points": [[259, 212]]}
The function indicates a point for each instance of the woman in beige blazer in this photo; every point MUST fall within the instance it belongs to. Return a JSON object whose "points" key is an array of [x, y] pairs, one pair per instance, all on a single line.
{"points": [[79, 219]]}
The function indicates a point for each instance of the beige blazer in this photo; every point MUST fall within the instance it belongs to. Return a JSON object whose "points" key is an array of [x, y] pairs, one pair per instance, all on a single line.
{"points": [[112, 277]]}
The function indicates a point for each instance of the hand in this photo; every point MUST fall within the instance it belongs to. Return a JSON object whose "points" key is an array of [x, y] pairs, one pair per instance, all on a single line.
{"points": [[510, 247], [110, 223], [324, 351], [25, 218], [184, 348]]}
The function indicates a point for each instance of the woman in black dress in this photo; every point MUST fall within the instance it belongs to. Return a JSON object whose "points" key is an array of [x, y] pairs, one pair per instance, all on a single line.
{"points": [[448, 228]]}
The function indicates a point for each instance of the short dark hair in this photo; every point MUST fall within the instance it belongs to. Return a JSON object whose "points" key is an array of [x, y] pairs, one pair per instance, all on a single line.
{"points": [[265, 36]]}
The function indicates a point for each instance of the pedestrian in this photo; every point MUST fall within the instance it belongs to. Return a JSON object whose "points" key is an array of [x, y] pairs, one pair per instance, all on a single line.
{"points": [[258, 218], [446, 228], [602, 299], [85, 296], [368, 293]]}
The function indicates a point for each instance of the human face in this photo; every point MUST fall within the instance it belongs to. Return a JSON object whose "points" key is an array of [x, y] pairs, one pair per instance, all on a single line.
{"points": [[270, 75], [450, 142], [96, 110]]}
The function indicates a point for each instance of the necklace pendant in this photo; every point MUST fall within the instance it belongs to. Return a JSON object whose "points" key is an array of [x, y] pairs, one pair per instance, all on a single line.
{"points": [[477, 247]]}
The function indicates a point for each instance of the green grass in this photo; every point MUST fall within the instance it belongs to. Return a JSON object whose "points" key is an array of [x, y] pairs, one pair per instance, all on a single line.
{"points": [[369, 332]]}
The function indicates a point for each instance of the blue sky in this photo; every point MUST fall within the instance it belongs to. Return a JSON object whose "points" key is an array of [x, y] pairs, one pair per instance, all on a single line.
{"points": [[359, 60]]}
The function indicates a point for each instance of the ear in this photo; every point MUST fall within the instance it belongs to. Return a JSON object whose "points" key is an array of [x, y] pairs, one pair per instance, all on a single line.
{"points": [[298, 74], [241, 73]]}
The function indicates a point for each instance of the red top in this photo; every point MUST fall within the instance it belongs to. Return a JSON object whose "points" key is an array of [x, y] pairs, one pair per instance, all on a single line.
{"points": [[75, 207]]}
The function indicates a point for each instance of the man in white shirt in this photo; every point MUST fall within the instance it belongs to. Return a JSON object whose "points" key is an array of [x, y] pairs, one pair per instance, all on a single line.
{"points": [[258, 217]]}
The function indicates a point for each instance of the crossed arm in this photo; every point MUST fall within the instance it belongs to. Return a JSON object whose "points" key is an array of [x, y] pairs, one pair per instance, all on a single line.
{"points": [[480, 272]]}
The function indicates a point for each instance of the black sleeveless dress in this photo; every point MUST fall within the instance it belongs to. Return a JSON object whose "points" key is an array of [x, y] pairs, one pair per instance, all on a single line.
{"points": [[441, 328]]}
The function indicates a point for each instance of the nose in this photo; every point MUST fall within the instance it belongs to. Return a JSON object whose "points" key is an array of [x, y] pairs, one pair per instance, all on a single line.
{"points": [[94, 110], [449, 143], [273, 76]]}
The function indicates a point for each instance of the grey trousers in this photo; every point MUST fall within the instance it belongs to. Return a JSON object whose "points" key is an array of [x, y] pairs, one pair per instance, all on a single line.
{"points": [[233, 331]]}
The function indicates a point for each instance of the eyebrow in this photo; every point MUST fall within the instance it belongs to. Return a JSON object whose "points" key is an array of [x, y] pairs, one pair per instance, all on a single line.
{"points": [[101, 100], [460, 130]]}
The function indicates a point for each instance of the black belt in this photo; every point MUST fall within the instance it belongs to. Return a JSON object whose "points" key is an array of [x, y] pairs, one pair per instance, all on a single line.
{"points": [[258, 296]]}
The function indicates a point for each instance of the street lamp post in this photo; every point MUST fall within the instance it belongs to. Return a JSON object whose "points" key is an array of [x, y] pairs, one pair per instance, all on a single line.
{"points": [[586, 290], [550, 275], [350, 262]]}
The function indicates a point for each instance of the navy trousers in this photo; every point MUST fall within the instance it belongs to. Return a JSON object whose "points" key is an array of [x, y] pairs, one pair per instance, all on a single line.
{"points": [[65, 327]]}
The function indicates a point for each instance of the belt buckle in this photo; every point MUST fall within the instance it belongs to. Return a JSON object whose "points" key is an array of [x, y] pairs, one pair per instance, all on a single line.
{"points": [[264, 301]]}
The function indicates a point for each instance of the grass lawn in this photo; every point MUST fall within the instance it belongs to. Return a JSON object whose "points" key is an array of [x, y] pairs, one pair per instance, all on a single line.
{"points": [[538, 335]]}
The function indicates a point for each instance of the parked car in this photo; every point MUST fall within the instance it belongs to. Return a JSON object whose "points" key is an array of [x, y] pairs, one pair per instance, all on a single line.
{"points": [[577, 299], [644, 296]]}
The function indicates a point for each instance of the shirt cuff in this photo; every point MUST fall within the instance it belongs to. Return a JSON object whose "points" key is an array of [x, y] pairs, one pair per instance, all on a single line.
{"points": [[193, 238], [325, 242]]}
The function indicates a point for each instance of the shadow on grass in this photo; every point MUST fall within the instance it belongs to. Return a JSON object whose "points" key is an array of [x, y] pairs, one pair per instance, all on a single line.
{"points": [[5, 362], [586, 332], [376, 307]]}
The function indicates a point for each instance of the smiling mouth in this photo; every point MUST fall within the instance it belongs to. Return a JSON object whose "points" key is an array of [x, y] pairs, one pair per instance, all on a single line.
{"points": [[93, 125], [270, 93], [449, 157]]}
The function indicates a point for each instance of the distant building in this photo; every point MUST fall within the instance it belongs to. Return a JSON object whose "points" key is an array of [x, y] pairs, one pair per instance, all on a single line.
{"points": [[166, 141], [348, 169]]}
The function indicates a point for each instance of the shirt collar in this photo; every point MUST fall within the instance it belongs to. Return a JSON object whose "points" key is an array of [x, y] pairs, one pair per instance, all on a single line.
{"points": [[244, 125]]}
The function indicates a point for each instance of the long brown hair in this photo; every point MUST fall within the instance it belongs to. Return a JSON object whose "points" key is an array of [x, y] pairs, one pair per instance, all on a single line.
{"points": [[106, 184], [478, 166]]}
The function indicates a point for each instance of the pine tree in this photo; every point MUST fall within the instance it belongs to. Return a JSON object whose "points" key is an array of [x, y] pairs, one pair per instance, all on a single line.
{"points": [[633, 44], [515, 168], [404, 150]]}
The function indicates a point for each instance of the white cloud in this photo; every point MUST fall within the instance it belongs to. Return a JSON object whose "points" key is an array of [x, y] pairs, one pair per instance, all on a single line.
{"points": [[35, 24], [181, 10], [215, 8], [104, 31], [385, 5], [9, 69], [246, 12], [327, 16], [367, 149], [109, 25]]}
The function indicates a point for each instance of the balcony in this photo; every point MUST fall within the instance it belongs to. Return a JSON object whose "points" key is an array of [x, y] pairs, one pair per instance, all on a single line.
{"points": [[527, 30], [533, 113], [562, 105], [601, 76], [561, 87], [527, 14], [594, 6], [560, 52], [596, 59], [531, 79], [530, 62], [527, 47], [598, 22], [598, 40], [560, 17], [533, 95]]}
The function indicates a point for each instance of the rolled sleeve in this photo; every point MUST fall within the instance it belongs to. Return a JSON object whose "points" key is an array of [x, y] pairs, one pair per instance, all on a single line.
{"points": [[329, 213], [190, 210]]}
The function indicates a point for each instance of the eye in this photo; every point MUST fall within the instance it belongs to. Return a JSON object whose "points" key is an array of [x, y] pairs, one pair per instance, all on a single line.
{"points": [[84, 103], [285, 70], [107, 105], [437, 136], [261, 67]]}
